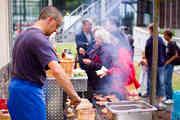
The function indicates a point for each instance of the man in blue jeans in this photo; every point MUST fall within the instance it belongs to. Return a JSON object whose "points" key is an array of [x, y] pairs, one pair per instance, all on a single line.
{"points": [[160, 87], [32, 55], [171, 55]]}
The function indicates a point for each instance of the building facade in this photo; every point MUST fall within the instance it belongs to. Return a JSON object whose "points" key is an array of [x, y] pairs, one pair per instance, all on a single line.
{"points": [[25, 12], [169, 15]]}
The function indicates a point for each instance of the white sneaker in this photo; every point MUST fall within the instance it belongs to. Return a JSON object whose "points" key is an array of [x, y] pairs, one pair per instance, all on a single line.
{"points": [[164, 98], [169, 101], [161, 106]]}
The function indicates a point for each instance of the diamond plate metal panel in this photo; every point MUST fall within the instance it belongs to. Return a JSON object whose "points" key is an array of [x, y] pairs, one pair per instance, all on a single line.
{"points": [[54, 100], [54, 96]]}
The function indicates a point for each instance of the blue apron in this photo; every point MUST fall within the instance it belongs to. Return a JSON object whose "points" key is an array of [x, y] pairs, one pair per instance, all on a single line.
{"points": [[26, 100]]}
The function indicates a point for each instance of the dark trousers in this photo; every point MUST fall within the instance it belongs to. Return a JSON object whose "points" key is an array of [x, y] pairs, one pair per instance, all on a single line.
{"points": [[92, 84]]}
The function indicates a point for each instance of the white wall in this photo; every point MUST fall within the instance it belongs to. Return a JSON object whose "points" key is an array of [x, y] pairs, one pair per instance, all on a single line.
{"points": [[140, 36], [4, 33]]}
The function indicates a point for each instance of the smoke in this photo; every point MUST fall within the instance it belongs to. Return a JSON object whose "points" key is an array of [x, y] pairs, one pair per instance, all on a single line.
{"points": [[115, 54], [112, 47]]}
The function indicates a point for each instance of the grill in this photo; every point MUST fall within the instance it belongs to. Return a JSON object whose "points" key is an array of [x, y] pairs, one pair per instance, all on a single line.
{"points": [[54, 95], [99, 115], [117, 111]]}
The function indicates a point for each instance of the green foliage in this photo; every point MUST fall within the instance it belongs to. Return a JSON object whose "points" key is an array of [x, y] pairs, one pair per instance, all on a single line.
{"points": [[68, 5], [128, 19], [173, 31]]}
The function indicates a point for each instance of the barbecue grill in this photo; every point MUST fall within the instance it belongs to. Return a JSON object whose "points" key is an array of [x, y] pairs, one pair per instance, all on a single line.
{"points": [[54, 96], [123, 110]]}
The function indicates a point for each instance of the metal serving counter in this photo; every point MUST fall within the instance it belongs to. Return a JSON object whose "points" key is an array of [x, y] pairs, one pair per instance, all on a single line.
{"points": [[54, 96]]}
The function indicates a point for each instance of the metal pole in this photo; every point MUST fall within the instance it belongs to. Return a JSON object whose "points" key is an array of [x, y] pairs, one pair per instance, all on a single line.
{"points": [[171, 14], [20, 15], [103, 10], [176, 14], [165, 16], [10, 29], [24, 9], [50, 2]]}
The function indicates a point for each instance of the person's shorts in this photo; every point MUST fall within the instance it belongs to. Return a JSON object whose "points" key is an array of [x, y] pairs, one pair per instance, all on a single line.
{"points": [[26, 101]]}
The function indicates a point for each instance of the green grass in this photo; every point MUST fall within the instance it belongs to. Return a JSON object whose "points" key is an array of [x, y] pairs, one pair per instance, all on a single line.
{"points": [[70, 46], [175, 79]]}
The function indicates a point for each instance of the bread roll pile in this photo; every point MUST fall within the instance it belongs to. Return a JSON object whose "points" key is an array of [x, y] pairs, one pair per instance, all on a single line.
{"points": [[84, 105]]}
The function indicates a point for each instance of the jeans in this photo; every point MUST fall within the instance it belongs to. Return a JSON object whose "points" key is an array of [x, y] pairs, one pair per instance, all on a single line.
{"points": [[160, 85], [168, 80]]}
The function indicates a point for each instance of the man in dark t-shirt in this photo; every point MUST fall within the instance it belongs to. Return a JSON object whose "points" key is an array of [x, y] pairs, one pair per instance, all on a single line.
{"points": [[171, 55], [32, 55]]}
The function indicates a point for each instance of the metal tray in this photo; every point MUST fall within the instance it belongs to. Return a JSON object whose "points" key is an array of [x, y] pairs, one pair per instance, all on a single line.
{"points": [[131, 110]]}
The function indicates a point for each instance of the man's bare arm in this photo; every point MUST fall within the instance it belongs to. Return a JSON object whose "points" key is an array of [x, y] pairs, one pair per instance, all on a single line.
{"points": [[63, 80], [172, 58]]}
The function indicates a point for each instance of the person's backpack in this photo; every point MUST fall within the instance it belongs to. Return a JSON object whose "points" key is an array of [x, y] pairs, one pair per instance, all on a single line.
{"points": [[177, 60]]}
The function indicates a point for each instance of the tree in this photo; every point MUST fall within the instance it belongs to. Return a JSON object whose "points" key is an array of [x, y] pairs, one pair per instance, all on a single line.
{"points": [[68, 5]]}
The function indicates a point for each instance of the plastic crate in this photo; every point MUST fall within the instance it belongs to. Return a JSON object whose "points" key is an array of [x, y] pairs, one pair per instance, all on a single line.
{"points": [[176, 106], [3, 104]]}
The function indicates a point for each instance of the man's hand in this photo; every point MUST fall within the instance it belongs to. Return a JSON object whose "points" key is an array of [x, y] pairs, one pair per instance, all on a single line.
{"points": [[176, 55], [86, 61], [75, 100], [82, 51], [63, 81]]}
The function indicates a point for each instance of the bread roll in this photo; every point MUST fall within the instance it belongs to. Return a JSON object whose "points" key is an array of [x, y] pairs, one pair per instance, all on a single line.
{"points": [[84, 104]]}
